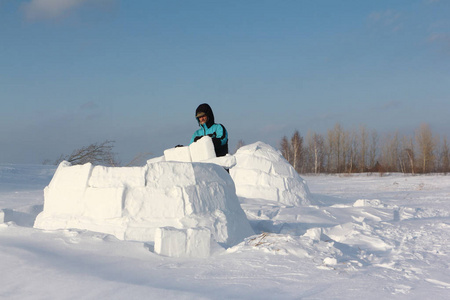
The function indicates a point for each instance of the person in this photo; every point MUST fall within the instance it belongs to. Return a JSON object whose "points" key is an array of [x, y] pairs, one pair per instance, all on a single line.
{"points": [[217, 132]]}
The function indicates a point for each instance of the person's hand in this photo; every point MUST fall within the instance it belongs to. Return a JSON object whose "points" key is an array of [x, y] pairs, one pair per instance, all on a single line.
{"points": [[178, 146], [197, 138]]}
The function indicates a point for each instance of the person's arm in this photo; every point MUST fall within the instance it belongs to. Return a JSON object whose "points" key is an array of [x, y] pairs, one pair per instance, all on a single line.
{"points": [[220, 135], [197, 135], [192, 138]]}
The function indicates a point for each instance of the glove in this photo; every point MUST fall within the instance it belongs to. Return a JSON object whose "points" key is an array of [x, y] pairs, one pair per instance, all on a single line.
{"points": [[197, 138], [217, 142], [178, 146]]}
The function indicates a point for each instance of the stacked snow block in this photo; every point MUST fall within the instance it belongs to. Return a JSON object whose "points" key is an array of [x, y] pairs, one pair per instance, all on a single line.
{"points": [[192, 242], [261, 172], [201, 150], [131, 203]]}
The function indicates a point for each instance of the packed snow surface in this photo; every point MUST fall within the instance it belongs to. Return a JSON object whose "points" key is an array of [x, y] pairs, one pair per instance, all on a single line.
{"points": [[367, 237]]}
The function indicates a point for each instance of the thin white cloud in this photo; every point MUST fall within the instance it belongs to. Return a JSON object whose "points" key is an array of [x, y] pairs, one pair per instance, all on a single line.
{"points": [[89, 105], [49, 9], [388, 18], [441, 40], [439, 37]]}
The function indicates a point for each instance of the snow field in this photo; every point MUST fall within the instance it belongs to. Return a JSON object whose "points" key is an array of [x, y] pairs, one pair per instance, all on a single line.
{"points": [[365, 237]]}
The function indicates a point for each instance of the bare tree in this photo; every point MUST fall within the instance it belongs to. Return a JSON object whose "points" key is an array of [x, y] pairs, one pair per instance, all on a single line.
{"points": [[407, 155], [285, 149], [353, 151], [97, 153], [373, 149], [297, 149], [363, 142], [362, 151], [316, 150], [390, 157], [139, 159], [335, 144], [445, 157], [425, 143]]}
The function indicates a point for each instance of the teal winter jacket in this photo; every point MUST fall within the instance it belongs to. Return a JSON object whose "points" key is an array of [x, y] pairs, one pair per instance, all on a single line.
{"points": [[216, 131]]}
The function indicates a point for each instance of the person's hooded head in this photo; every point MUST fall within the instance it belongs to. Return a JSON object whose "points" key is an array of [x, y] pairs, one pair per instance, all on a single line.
{"points": [[202, 111]]}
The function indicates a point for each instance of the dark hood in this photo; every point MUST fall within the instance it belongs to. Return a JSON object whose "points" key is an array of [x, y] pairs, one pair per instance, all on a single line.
{"points": [[205, 108]]}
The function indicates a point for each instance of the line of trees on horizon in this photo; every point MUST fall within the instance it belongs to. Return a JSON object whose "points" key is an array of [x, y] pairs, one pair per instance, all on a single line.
{"points": [[339, 151], [362, 150]]}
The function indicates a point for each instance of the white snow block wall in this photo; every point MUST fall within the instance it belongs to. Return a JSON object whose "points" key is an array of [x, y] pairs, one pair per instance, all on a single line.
{"points": [[133, 202], [201, 150], [261, 172], [192, 242]]}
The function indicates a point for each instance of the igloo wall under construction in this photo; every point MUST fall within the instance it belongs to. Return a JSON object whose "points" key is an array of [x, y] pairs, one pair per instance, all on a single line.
{"points": [[261, 172], [131, 203]]}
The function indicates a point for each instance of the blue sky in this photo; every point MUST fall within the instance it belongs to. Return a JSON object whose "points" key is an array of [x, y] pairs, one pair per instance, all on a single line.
{"points": [[75, 72]]}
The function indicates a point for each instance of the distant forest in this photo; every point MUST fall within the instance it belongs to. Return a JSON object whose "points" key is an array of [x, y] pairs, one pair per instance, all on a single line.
{"points": [[363, 150]]}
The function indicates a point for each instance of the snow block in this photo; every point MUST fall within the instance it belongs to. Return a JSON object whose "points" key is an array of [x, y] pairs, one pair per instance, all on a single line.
{"points": [[130, 203], [2, 216], [110, 177], [261, 172], [156, 160], [201, 150], [75, 177], [198, 242], [227, 161], [170, 241], [66, 188], [182, 154], [192, 242], [106, 203]]}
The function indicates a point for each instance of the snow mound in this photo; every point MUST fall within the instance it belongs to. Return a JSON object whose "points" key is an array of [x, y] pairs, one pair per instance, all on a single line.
{"points": [[357, 235], [261, 172], [132, 203]]}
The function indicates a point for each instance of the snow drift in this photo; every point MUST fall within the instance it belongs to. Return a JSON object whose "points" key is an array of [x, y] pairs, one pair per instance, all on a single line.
{"points": [[131, 203], [261, 172], [370, 237]]}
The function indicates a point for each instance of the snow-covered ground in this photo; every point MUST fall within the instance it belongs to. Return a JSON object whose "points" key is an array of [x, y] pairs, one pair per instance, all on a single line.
{"points": [[369, 237]]}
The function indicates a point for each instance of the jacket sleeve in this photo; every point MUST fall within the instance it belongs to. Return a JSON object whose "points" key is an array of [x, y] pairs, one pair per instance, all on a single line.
{"points": [[193, 137], [221, 134]]}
